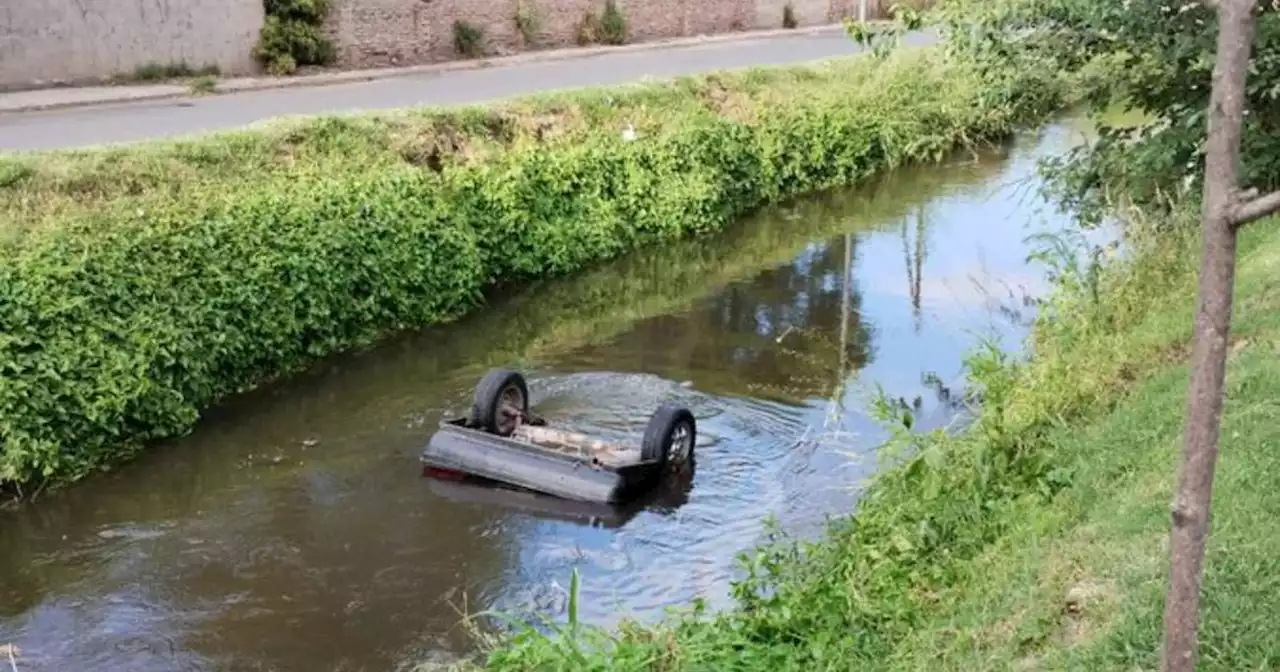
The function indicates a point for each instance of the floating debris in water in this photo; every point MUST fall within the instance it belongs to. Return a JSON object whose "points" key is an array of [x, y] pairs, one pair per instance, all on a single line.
{"points": [[11, 652]]}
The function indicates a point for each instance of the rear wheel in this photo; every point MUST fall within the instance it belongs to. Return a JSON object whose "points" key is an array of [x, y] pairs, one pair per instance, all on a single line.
{"points": [[670, 436], [501, 401]]}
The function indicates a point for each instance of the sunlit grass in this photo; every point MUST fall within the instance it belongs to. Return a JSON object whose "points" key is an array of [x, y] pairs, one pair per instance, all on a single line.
{"points": [[38, 190], [1036, 540]]}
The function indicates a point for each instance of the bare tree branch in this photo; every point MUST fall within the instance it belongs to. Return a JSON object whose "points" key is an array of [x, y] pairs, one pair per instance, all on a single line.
{"points": [[1256, 208]]}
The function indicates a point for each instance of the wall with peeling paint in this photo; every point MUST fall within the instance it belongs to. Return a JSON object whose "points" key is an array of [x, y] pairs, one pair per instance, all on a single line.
{"points": [[44, 42]]}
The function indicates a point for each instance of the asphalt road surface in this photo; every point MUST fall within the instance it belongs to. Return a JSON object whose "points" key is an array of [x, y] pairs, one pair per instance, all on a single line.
{"points": [[130, 122]]}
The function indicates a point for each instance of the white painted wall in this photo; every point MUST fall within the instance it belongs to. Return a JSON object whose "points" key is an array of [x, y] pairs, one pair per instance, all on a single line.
{"points": [[49, 41]]}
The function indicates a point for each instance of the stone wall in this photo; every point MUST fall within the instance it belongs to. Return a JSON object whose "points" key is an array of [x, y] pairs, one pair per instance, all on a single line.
{"points": [[375, 33], [44, 42]]}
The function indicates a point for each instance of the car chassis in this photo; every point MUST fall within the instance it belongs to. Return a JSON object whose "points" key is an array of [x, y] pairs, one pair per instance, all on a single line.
{"points": [[501, 440]]}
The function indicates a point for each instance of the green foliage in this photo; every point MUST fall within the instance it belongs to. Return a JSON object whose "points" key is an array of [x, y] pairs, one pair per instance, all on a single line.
{"points": [[613, 25], [313, 12], [789, 16], [875, 592], [204, 84], [155, 72], [293, 35], [468, 39], [145, 297], [117, 332], [528, 22], [882, 39], [608, 28], [1157, 56], [589, 30]]}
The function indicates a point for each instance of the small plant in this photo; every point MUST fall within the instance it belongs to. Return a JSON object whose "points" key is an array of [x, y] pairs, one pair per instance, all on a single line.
{"points": [[293, 35], [468, 39], [282, 65], [789, 16], [881, 39], [590, 30], [528, 23], [613, 24], [204, 84], [155, 71]]}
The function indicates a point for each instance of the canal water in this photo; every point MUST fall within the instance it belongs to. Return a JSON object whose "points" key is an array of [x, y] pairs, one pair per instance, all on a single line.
{"points": [[294, 530]]}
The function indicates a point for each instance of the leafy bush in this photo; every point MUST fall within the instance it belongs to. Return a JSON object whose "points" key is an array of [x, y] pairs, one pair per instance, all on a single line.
{"points": [[146, 283], [468, 39], [528, 22], [204, 84], [1156, 59], [589, 30], [293, 35], [155, 71], [177, 307], [789, 16], [613, 25]]}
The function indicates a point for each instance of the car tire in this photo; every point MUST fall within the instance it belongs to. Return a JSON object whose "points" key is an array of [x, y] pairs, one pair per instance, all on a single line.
{"points": [[501, 400]]}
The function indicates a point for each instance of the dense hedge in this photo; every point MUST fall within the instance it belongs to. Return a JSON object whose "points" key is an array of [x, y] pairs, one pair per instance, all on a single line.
{"points": [[147, 296]]}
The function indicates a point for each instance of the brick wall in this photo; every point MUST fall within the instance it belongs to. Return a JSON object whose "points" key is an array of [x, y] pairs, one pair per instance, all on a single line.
{"points": [[55, 41], [373, 33]]}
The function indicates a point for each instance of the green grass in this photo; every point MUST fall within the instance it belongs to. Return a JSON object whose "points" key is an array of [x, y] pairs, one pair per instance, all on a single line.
{"points": [[1037, 540], [46, 189], [159, 72], [1077, 582]]}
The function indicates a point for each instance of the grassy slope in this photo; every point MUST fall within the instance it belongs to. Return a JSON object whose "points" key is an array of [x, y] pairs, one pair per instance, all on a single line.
{"points": [[1078, 583], [1053, 512]]}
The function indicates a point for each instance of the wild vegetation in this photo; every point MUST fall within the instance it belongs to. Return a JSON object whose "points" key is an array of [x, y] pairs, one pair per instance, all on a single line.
{"points": [[293, 35], [158, 72], [468, 39], [607, 28], [1038, 539], [143, 284], [528, 22]]}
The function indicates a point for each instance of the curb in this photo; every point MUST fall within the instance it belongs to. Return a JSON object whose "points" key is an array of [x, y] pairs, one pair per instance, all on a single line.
{"points": [[246, 84]]}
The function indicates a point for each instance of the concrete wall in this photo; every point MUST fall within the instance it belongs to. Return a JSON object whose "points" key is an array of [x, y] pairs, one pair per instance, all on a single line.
{"points": [[50, 41], [374, 33]]}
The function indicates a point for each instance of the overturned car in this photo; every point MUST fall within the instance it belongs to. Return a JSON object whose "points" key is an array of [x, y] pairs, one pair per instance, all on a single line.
{"points": [[501, 440]]}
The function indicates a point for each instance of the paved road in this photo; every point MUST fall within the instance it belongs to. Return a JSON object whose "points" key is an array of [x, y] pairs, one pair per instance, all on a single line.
{"points": [[159, 119]]}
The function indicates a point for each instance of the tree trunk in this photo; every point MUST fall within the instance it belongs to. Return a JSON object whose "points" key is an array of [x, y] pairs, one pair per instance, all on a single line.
{"points": [[1212, 327]]}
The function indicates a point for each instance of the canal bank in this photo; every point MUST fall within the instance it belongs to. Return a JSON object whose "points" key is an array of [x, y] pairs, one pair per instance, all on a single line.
{"points": [[291, 529], [1037, 539], [205, 268]]}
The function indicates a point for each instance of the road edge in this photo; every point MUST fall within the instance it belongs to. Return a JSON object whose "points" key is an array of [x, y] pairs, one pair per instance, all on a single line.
{"points": [[131, 94]]}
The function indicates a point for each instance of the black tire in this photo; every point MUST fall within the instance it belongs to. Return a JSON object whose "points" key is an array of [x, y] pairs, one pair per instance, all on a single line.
{"points": [[497, 393], [665, 427]]}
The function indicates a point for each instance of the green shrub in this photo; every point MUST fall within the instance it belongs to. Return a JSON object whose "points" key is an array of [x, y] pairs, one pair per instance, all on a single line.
{"points": [[613, 25], [293, 35], [528, 22], [156, 71], [165, 312], [589, 29], [204, 84], [468, 39], [146, 283]]}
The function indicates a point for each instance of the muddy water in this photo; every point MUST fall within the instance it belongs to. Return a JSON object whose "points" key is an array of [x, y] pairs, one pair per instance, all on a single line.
{"points": [[293, 531]]}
